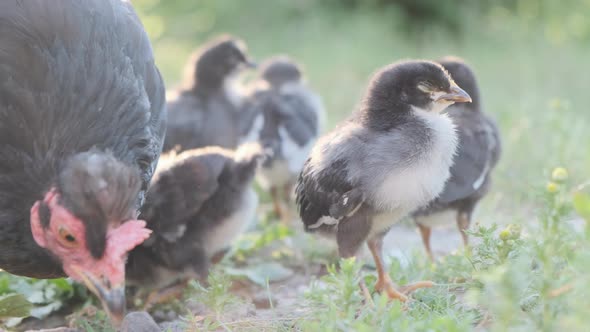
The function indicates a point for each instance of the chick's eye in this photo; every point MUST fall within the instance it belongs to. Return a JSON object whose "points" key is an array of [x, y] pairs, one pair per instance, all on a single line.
{"points": [[426, 86], [66, 237], [238, 58]]}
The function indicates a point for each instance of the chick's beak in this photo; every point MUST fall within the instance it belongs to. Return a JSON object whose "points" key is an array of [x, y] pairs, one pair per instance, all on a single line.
{"points": [[111, 295], [250, 64], [456, 94]]}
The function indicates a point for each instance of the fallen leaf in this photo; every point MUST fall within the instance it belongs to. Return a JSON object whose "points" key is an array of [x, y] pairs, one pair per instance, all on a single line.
{"points": [[14, 305], [260, 273]]}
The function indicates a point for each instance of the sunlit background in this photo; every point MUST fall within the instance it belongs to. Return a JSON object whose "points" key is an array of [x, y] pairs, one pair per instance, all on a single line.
{"points": [[531, 58]]}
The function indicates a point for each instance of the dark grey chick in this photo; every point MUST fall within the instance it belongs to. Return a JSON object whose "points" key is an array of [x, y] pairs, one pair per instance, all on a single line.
{"points": [[199, 201], [205, 111], [286, 118], [477, 154]]}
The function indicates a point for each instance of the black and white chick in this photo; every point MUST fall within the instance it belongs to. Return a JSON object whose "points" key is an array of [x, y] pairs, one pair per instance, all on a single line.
{"points": [[477, 155], [286, 119], [205, 111], [200, 200], [387, 160]]}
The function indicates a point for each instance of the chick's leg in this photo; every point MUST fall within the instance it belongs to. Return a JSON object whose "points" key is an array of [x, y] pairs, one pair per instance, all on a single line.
{"points": [[463, 221], [425, 232], [217, 257], [194, 266], [288, 191], [276, 201], [165, 295], [384, 282], [286, 200], [351, 234]]}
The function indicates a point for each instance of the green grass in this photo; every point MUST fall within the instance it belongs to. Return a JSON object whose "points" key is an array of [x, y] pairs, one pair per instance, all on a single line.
{"points": [[533, 75]]}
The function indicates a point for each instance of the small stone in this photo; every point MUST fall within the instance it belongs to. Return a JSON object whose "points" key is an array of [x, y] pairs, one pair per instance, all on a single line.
{"points": [[159, 315], [139, 321], [175, 326], [171, 315]]}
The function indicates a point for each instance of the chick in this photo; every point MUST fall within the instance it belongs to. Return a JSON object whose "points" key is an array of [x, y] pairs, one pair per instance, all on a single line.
{"points": [[198, 203], [477, 154], [286, 118], [205, 111], [387, 160]]}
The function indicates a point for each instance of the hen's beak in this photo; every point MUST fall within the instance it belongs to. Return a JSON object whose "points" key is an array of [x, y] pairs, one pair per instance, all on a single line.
{"points": [[113, 301], [456, 94], [111, 296]]}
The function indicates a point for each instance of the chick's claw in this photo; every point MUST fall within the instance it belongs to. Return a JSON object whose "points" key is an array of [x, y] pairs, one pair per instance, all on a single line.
{"points": [[407, 289], [387, 286], [401, 293]]}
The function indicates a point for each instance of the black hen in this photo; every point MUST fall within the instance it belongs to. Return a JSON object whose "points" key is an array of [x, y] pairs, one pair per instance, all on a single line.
{"points": [[82, 121], [200, 200], [477, 155], [204, 112]]}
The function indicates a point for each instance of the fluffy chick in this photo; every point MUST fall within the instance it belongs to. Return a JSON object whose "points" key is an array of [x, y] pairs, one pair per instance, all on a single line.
{"points": [[388, 159], [205, 111], [286, 118], [199, 201]]}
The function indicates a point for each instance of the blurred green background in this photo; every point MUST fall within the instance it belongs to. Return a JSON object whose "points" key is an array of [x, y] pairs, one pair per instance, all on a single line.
{"points": [[530, 56]]}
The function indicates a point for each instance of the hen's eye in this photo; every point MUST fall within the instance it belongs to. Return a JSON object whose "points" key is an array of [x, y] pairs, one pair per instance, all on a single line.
{"points": [[67, 239]]}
